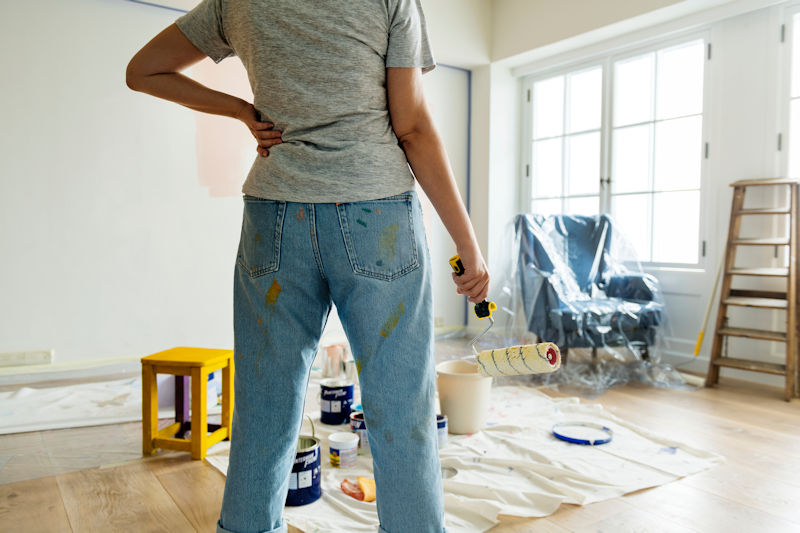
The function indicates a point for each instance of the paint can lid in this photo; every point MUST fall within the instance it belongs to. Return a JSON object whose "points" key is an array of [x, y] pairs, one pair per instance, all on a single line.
{"points": [[334, 383], [343, 438]]}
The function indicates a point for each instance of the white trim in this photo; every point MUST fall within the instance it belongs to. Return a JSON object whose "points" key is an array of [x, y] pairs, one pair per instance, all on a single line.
{"points": [[784, 95]]}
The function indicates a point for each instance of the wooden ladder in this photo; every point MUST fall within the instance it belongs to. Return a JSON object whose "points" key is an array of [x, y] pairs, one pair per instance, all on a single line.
{"points": [[760, 299]]}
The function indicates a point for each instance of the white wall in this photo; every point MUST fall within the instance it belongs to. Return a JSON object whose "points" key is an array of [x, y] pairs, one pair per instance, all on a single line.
{"points": [[522, 25], [110, 247], [460, 31]]}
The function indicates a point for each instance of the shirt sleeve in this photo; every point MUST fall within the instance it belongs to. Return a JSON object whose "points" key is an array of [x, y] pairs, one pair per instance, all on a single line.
{"points": [[203, 27], [408, 37]]}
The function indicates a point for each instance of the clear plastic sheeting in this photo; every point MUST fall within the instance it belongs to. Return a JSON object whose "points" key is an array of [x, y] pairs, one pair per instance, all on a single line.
{"points": [[575, 281]]}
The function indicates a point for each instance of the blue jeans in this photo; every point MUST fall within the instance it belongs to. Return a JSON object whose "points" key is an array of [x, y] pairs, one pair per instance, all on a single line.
{"points": [[370, 259]]}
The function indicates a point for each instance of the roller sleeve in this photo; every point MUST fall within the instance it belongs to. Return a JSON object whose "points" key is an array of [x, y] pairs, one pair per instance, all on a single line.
{"points": [[516, 360]]}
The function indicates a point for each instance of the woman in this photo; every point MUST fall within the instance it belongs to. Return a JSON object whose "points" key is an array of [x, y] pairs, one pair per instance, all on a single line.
{"points": [[330, 216]]}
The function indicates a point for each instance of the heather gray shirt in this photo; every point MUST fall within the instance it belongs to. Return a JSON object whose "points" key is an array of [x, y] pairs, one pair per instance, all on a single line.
{"points": [[318, 72]]}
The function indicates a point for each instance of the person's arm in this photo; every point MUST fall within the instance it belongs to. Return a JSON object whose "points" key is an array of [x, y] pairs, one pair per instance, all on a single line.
{"points": [[156, 70], [413, 125]]}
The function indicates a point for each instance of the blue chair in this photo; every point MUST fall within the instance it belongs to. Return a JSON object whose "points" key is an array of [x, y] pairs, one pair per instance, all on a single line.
{"points": [[576, 293]]}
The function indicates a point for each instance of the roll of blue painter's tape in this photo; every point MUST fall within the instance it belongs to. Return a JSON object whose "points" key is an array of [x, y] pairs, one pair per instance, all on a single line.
{"points": [[335, 401], [305, 480], [359, 426]]}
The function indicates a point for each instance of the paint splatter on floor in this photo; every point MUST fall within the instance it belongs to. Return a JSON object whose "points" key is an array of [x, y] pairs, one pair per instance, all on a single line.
{"points": [[393, 319], [272, 294]]}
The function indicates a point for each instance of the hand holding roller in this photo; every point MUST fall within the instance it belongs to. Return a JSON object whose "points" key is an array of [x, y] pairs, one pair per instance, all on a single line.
{"points": [[538, 358]]}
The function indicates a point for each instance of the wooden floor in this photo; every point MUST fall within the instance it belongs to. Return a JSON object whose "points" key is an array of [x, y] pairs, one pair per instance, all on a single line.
{"points": [[757, 489]]}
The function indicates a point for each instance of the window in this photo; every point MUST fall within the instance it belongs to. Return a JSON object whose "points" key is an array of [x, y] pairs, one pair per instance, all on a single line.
{"points": [[794, 101], [566, 143], [644, 132], [656, 151]]}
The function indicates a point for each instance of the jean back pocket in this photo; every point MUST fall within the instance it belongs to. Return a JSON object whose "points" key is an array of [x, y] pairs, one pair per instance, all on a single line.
{"points": [[379, 236], [260, 243]]}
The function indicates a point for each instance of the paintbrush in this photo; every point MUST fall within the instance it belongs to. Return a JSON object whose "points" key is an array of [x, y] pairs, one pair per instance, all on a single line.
{"points": [[539, 358]]}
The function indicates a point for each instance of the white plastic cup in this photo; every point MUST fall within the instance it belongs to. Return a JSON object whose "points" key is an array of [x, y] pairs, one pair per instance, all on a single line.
{"points": [[463, 395], [343, 449]]}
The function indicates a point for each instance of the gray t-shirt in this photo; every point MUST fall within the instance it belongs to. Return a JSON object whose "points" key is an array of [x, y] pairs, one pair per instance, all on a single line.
{"points": [[318, 72]]}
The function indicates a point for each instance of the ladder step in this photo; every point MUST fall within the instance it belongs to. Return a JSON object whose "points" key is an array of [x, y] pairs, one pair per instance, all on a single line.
{"points": [[765, 211], [755, 366], [769, 303], [760, 271], [764, 181], [778, 336], [747, 293], [769, 241]]}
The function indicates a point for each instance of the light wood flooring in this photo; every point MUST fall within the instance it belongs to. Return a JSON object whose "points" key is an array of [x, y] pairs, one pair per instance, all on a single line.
{"points": [[756, 490]]}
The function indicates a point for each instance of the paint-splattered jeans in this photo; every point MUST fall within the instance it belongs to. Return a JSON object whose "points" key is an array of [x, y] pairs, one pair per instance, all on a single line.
{"points": [[371, 260]]}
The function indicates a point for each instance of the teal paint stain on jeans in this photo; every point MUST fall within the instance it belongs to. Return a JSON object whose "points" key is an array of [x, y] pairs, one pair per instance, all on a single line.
{"points": [[362, 222]]}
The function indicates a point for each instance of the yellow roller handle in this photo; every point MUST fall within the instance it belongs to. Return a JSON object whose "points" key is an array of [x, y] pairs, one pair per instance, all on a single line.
{"points": [[482, 309]]}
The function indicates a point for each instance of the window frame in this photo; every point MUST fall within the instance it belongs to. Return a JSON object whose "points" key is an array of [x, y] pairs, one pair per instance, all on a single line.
{"points": [[606, 59], [790, 11]]}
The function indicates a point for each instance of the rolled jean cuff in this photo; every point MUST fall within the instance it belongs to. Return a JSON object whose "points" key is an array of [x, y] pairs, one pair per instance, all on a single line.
{"points": [[280, 529]]}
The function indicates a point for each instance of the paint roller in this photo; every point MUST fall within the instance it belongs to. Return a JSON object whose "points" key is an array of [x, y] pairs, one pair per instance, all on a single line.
{"points": [[539, 358]]}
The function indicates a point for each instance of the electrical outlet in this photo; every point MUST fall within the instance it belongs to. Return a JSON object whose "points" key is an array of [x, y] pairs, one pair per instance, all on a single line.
{"points": [[33, 357]]}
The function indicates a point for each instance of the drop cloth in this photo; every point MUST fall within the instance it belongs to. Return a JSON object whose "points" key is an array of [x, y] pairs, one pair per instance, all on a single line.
{"points": [[515, 466]]}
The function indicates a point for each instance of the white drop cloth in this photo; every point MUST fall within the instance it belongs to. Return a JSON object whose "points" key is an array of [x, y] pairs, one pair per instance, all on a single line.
{"points": [[84, 404], [513, 467]]}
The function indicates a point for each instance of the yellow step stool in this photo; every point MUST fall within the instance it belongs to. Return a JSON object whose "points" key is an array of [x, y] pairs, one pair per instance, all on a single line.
{"points": [[196, 363]]}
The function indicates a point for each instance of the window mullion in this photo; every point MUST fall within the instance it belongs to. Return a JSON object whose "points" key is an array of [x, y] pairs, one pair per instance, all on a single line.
{"points": [[564, 115], [606, 136]]}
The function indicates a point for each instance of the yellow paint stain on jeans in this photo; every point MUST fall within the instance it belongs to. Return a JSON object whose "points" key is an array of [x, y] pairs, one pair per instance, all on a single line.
{"points": [[387, 244], [393, 319], [273, 293]]}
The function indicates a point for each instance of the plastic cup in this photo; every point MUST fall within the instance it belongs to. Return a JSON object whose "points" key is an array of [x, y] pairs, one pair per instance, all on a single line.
{"points": [[343, 449]]}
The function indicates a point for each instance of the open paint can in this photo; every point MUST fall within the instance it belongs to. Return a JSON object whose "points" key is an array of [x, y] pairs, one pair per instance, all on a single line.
{"points": [[305, 480], [335, 401], [359, 427]]}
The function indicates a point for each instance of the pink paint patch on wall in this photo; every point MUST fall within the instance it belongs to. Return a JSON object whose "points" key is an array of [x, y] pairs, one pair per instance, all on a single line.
{"points": [[225, 147]]}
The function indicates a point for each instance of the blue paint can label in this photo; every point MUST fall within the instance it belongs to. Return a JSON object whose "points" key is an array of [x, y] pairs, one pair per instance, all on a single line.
{"points": [[441, 429], [305, 480], [335, 401], [359, 426]]}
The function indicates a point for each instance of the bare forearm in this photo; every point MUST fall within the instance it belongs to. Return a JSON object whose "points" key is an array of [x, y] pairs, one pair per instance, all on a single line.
{"points": [[183, 90], [426, 155]]}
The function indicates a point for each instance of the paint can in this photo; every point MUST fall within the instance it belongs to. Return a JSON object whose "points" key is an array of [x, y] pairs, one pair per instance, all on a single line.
{"points": [[305, 480], [441, 429], [335, 401], [359, 427], [343, 448], [333, 361]]}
